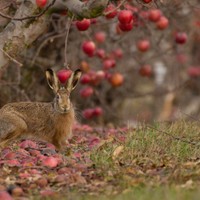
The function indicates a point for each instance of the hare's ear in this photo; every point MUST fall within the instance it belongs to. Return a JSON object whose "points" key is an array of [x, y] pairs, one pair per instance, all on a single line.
{"points": [[52, 80], [73, 80]]}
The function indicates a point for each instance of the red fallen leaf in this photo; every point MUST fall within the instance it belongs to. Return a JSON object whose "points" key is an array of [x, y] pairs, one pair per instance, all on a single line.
{"points": [[46, 193], [12, 163], [50, 146], [112, 132], [64, 170], [24, 175], [34, 171], [81, 167], [50, 162], [28, 164], [94, 142], [84, 127], [2, 187], [78, 139], [42, 182], [5, 196], [41, 157], [78, 179], [10, 155], [34, 152], [22, 153], [121, 138], [28, 144], [60, 178], [17, 191], [5, 150], [77, 155]]}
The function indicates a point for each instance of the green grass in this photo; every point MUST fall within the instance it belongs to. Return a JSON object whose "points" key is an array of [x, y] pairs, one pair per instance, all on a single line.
{"points": [[152, 165]]}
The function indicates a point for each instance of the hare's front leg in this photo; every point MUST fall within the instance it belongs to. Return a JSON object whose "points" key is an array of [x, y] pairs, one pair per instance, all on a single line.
{"points": [[60, 143], [60, 140], [11, 130]]}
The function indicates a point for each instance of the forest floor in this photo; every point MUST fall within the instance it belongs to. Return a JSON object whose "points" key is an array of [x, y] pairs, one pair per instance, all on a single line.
{"points": [[150, 162]]}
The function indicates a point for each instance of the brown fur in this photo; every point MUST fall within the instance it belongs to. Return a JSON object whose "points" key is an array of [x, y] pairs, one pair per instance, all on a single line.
{"points": [[45, 121]]}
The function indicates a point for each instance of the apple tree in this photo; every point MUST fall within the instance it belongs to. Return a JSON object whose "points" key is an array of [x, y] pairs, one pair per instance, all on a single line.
{"points": [[138, 57]]}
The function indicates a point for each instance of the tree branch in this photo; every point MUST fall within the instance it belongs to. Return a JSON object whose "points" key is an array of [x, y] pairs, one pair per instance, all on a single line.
{"points": [[18, 35], [89, 9], [23, 29]]}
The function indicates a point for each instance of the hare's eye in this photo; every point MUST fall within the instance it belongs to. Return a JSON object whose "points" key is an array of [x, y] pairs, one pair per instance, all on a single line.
{"points": [[57, 97]]}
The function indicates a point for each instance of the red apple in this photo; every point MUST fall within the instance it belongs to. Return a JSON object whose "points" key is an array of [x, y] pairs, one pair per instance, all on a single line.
{"points": [[85, 79], [50, 162], [154, 15], [181, 38], [100, 36], [110, 11], [100, 75], [126, 27], [118, 53], [125, 16], [83, 24], [116, 79], [94, 79], [5, 196], [93, 20], [89, 48], [109, 63], [97, 111], [181, 58], [162, 23], [88, 113], [86, 92], [41, 3], [147, 1], [194, 71], [144, 14], [84, 66], [143, 45], [63, 75], [145, 70], [100, 53]]}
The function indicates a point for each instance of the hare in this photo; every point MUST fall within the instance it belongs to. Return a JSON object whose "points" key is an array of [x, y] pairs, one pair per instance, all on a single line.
{"points": [[51, 122]]}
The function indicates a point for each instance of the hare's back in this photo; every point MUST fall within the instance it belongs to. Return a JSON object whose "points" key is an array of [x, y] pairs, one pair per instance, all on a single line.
{"points": [[27, 109]]}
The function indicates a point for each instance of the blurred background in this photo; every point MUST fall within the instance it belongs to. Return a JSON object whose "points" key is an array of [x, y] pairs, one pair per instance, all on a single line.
{"points": [[149, 71]]}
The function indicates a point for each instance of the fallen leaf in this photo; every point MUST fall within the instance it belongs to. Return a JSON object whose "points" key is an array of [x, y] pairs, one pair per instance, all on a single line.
{"points": [[117, 151]]}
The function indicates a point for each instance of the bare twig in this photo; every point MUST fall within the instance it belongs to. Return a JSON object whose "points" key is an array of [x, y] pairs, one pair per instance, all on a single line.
{"points": [[28, 17], [116, 8], [6, 6], [174, 137], [68, 25], [43, 44], [189, 116], [11, 58]]}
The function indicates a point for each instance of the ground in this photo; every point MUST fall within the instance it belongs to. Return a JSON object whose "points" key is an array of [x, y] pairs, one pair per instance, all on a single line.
{"points": [[149, 162]]}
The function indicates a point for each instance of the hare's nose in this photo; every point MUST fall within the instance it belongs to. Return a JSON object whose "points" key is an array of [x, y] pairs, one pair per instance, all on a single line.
{"points": [[66, 108]]}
